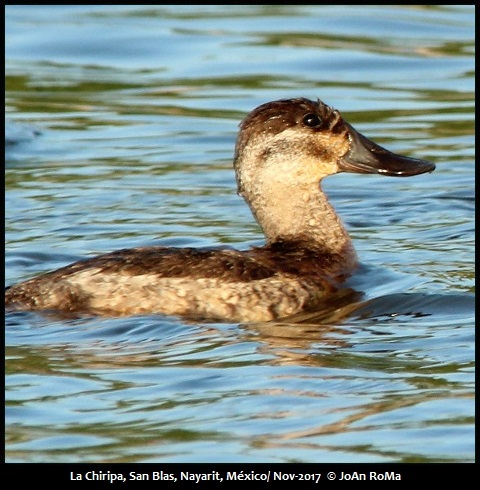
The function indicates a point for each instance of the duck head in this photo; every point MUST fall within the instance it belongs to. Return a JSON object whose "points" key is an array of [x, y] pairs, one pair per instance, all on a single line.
{"points": [[302, 141]]}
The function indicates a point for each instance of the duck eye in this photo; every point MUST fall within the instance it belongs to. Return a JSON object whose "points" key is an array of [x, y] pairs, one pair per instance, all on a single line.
{"points": [[312, 120]]}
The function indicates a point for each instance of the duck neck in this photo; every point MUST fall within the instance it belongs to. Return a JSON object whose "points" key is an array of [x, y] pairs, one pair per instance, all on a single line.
{"points": [[300, 213]]}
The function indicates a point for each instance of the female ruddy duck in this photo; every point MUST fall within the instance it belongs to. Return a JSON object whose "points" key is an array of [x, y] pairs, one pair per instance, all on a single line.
{"points": [[284, 149]]}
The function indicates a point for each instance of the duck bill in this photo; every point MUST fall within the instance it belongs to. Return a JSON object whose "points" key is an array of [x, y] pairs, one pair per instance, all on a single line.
{"points": [[366, 157]]}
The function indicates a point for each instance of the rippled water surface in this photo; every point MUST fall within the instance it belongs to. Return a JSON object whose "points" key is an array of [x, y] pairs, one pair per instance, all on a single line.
{"points": [[121, 122]]}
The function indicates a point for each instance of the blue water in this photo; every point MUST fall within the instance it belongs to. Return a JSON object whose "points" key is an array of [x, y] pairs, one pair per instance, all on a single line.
{"points": [[121, 122]]}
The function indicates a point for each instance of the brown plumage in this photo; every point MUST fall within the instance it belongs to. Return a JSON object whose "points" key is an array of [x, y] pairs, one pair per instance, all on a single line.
{"points": [[283, 151]]}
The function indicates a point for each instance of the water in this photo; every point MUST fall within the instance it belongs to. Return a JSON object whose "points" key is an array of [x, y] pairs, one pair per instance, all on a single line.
{"points": [[121, 122]]}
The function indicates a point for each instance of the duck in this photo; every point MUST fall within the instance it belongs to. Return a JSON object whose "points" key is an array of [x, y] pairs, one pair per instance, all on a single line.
{"points": [[284, 149]]}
